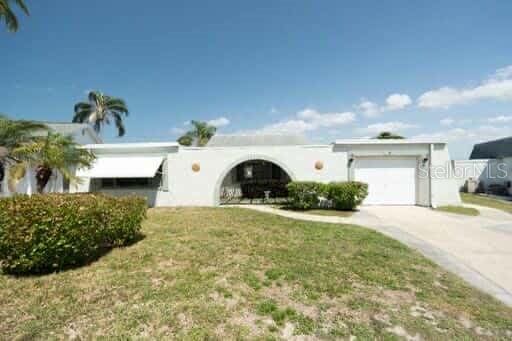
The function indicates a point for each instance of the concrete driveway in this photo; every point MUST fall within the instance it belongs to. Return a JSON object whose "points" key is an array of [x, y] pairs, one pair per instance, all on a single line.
{"points": [[478, 249]]}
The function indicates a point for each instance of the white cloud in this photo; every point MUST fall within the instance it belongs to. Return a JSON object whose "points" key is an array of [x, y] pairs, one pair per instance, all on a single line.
{"points": [[446, 135], [177, 131], [397, 102], [469, 135], [502, 74], [394, 102], [500, 119], [368, 108], [308, 120], [394, 126], [447, 121], [498, 87], [219, 122]]}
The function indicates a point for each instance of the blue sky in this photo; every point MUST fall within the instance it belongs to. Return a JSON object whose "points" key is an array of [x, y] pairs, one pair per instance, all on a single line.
{"points": [[326, 69]]}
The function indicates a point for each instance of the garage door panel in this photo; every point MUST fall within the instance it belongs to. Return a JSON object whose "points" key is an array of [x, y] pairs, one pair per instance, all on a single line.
{"points": [[390, 181]]}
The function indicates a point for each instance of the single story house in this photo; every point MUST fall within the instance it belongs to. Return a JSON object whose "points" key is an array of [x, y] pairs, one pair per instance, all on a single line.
{"points": [[233, 168], [490, 164]]}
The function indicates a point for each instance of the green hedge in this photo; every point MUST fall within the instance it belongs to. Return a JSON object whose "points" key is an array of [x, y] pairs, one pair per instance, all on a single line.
{"points": [[348, 195], [45, 233], [304, 195]]}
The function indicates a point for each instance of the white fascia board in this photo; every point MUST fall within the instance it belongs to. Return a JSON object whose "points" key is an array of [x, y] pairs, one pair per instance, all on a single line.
{"points": [[386, 141]]}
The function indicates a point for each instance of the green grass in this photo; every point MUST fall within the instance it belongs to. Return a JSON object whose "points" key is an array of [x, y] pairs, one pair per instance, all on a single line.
{"points": [[323, 212], [232, 273], [470, 211], [475, 199]]}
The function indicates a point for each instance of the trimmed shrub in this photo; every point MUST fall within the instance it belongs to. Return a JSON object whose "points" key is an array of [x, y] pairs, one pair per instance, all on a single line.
{"points": [[45, 233], [304, 195], [346, 195]]}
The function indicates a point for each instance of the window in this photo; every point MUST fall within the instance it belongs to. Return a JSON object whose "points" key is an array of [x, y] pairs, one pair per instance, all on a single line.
{"points": [[120, 183]]}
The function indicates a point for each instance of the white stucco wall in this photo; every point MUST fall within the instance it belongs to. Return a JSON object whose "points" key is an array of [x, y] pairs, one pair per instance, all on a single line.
{"points": [[201, 188], [28, 185], [432, 189], [470, 169], [186, 187], [445, 190], [415, 151]]}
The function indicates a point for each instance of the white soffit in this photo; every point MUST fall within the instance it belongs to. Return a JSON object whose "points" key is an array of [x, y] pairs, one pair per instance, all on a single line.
{"points": [[123, 167]]}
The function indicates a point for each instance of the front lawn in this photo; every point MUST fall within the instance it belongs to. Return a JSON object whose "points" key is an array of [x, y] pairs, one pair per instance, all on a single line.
{"points": [[318, 211], [234, 273], [470, 211], [475, 199]]}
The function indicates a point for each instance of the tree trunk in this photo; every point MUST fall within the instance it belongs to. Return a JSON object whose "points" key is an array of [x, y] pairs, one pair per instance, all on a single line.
{"points": [[43, 175], [3, 154]]}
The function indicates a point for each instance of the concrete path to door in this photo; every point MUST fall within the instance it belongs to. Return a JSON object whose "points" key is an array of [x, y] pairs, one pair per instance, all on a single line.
{"points": [[478, 249]]}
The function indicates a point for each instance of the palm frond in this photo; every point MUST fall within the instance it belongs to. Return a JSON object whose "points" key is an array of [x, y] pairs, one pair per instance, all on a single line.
{"points": [[119, 124], [21, 4], [82, 106], [98, 110], [16, 172], [8, 15], [82, 116]]}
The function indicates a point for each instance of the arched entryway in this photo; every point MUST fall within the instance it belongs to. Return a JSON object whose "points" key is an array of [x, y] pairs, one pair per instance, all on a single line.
{"points": [[254, 181]]}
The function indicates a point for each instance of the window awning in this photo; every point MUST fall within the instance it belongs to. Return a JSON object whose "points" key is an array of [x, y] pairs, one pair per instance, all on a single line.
{"points": [[123, 167]]}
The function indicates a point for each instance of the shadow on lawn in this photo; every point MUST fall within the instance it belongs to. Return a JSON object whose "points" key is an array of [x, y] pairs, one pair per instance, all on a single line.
{"points": [[100, 252]]}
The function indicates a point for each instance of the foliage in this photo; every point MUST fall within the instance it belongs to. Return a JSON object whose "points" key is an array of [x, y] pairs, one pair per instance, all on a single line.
{"points": [[14, 133], [44, 233], [387, 135], [101, 109], [305, 195], [200, 134], [346, 195], [49, 153], [7, 14], [186, 140]]}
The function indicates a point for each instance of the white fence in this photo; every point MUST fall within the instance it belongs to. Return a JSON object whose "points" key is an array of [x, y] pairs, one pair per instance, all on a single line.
{"points": [[484, 172]]}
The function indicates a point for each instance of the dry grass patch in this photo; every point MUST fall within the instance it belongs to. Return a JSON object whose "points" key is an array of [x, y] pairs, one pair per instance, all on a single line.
{"points": [[232, 273]]}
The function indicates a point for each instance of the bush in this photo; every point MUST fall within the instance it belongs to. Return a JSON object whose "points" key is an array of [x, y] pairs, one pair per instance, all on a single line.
{"points": [[304, 195], [45, 233], [346, 195]]}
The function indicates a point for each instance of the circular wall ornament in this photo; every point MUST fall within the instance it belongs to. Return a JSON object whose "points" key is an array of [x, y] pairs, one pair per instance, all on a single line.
{"points": [[196, 167], [319, 165]]}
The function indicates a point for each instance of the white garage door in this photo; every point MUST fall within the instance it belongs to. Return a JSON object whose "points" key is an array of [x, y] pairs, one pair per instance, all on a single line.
{"points": [[390, 181]]}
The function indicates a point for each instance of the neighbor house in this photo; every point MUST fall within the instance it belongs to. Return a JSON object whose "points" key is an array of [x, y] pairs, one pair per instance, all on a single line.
{"points": [[234, 168], [82, 133], [490, 165]]}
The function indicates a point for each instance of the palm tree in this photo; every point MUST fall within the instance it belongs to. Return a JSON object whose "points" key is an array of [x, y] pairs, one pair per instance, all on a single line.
{"points": [[387, 135], [100, 110], [201, 133], [54, 152], [7, 14], [14, 133]]}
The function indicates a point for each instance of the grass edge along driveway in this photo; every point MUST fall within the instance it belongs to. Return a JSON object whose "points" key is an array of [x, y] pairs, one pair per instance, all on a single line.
{"points": [[226, 273], [480, 200]]}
